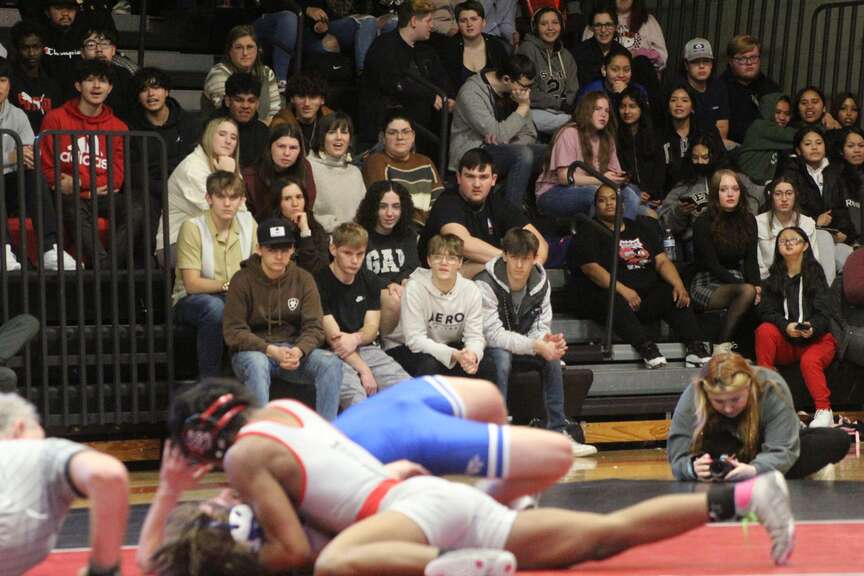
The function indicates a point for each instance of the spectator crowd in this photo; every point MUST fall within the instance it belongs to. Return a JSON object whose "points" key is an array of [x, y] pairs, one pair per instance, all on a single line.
{"points": [[324, 246]]}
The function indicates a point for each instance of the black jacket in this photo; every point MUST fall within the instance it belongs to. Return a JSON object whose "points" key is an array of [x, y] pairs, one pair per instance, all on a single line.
{"points": [[454, 49], [678, 168], [180, 132], [589, 59], [386, 82], [817, 303], [644, 162], [744, 102], [832, 197]]}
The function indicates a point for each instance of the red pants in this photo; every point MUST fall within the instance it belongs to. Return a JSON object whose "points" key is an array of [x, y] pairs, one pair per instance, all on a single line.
{"points": [[773, 348]]}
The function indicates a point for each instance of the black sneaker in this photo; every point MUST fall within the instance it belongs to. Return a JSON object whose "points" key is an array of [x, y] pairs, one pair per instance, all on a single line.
{"points": [[651, 355], [697, 354]]}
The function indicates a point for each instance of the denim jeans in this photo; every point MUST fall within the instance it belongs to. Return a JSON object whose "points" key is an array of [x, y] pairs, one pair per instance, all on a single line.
{"points": [[204, 312], [320, 368], [516, 163], [281, 27], [551, 377], [566, 201], [350, 34]]}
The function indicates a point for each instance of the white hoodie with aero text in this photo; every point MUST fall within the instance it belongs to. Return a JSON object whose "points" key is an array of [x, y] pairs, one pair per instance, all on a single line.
{"points": [[431, 320]]}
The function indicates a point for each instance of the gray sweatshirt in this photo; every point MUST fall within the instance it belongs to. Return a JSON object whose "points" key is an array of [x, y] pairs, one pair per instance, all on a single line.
{"points": [[778, 425], [14, 119], [431, 320], [556, 80], [474, 118]]}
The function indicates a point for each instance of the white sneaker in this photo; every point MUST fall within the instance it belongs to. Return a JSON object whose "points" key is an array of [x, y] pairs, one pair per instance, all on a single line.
{"points": [[724, 348], [827, 473], [50, 260], [770, 502], [11, 261], [823, 419], [473, 562], [577, 448]]}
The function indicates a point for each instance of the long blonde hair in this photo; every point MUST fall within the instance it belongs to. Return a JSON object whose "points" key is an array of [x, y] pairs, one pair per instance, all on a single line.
{"points": [[207, 142], [728, 372]]}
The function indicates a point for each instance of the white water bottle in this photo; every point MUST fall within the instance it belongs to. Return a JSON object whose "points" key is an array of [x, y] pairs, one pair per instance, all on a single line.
{"points": [[669, 246]]}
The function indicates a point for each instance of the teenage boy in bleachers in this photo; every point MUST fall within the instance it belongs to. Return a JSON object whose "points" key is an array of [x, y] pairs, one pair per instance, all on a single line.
{"points": [[390, 63], [33, 90], [351, 300], [156, 111], [210, 249], [272, 322], [440, 329], [475, 215], [745, 83], [13, 118], [101, 44], [493, 110], [88, 112], [306, 93], [517, 321], [240, 103]]}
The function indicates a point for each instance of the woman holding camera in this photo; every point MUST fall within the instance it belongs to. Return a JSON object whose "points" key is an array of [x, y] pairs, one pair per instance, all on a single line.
{"points": [[796, 316], [736, 421]]}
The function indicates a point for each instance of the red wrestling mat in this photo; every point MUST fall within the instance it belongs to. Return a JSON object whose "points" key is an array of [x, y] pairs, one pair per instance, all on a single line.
{"points": [[831, 548]]}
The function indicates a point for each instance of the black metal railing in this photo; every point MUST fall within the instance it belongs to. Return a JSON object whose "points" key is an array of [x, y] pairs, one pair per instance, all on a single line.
{"points": [[104, 356]]}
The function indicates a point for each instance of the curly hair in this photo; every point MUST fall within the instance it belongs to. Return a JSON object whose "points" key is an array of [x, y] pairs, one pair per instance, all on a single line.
{"points": [[735, 229], [367, 211]]}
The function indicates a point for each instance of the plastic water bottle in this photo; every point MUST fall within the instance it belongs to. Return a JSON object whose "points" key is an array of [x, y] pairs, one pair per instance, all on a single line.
{"points": [[669, 246]]}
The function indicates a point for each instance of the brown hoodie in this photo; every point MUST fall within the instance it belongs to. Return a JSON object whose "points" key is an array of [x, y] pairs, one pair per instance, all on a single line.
{"points": [[260, 311]]}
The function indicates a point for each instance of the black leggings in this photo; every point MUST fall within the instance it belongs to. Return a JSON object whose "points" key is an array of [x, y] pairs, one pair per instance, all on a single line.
{"points": [[819, 447], [420, 364]]}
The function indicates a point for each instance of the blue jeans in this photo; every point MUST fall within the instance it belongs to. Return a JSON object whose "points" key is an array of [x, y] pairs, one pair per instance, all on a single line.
{"points": [[320, 368], [281, 27], [516, 163], [551, 378], [204, 312], [350, 34], [566, 201]]}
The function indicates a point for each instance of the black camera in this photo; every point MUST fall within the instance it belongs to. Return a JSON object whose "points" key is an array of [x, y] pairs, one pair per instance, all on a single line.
{"points": [[720, 467]]}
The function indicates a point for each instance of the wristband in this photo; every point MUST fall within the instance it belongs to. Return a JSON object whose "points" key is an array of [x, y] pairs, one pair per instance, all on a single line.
{"points": [[113, 571]]}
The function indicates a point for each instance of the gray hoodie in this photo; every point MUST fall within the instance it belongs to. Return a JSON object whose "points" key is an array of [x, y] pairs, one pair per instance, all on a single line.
{"points": [[431, 320], [474, 118], [556, 82], [14, 119], [504, 327], [778, 427]]}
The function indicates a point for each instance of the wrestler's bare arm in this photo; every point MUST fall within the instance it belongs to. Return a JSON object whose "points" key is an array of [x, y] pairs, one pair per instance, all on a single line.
{"points": [[254, 468]]}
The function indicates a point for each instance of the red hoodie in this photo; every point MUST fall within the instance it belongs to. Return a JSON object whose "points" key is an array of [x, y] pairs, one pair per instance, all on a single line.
{"points": [[69, 117]]}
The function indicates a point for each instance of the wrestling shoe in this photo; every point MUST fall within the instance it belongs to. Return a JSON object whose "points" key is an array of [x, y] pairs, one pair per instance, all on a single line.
{"points": [[473, 562], [769, 500]]}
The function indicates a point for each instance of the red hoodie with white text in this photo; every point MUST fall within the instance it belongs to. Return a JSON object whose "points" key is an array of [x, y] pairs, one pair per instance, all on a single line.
{"points": [[69, 117]]}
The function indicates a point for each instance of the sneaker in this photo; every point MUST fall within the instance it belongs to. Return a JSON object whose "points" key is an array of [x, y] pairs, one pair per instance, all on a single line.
{"points": [[827, 473], [823, 419], [697, 354], [724, 347], [578, 449], [769, 500], [473, 562], [651, 355], [50, 260], [11, 261]]}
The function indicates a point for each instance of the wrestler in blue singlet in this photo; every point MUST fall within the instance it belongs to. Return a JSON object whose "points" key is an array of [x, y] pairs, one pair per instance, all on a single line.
{"points": [[423, 420]]}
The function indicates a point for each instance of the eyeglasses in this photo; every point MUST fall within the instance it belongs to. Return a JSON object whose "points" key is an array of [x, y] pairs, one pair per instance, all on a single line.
{"points": [[405, 133], [448, 258], [93, 45], [790, 242], [602, 25], [746, 59]]}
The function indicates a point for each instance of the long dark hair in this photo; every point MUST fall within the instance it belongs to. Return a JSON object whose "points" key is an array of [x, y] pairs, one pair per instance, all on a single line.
{"points": [[367, 211], [838, 101], [268, 172], [812, 275], [736, 229], [796, 114], [276, 198], [645, 140], [639, 14], [852, 175]]}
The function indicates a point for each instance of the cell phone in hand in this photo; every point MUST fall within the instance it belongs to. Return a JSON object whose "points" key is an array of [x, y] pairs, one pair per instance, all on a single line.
{"points": [[721, 467]]}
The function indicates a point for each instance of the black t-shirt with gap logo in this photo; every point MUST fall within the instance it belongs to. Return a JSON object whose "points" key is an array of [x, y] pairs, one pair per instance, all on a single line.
{"points": [[640, 243], [348, 303], [487, 222]]}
